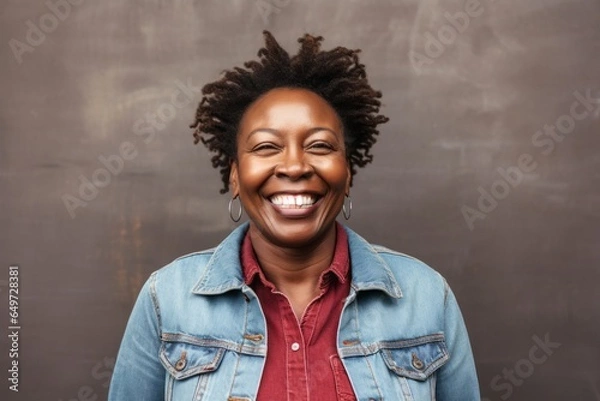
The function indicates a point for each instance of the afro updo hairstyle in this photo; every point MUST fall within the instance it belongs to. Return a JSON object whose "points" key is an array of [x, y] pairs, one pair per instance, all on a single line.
{"points": [[335, 75]]}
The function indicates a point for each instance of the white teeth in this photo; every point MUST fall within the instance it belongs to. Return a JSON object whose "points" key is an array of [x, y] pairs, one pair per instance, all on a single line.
{"points": [[293, 201]]}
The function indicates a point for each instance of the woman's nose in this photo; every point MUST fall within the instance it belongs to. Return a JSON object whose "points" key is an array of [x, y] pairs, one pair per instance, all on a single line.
{"points": [[293, 165]]}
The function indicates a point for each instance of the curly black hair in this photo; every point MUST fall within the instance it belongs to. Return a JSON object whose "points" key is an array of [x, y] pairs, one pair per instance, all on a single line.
{"points": [[335, 75]]}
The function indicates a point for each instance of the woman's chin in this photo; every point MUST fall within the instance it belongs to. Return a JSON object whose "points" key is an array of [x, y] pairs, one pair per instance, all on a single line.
{"points": [[296, 233]]}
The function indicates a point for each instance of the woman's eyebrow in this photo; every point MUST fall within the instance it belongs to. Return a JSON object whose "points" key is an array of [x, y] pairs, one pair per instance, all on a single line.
{"points": [[317, 129], [269, 130], [279, 133]]}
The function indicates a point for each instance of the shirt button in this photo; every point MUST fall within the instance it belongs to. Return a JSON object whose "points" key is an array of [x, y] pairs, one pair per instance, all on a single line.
{"points": [[295, 347]]}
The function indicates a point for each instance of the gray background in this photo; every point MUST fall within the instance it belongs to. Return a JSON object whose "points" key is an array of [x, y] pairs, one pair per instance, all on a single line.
{"points": [[529, 268]]}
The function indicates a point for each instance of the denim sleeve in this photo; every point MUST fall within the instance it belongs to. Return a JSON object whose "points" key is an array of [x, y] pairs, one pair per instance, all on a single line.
{"points": [[457, 379], [138, 373]]}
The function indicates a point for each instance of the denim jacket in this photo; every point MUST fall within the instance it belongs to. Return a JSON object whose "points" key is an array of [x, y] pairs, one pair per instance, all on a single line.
{"points": [[197, 331]]}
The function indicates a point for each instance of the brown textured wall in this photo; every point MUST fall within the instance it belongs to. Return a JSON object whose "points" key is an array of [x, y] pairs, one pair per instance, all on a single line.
{"points": [[471, 99]]}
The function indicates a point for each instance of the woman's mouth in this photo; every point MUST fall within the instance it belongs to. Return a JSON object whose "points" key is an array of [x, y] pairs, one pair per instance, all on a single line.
{"points": [[298, 201], [295, 206]]}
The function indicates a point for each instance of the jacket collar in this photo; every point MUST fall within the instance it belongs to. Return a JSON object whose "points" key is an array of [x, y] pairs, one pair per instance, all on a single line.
{"points": [[223, 271]]}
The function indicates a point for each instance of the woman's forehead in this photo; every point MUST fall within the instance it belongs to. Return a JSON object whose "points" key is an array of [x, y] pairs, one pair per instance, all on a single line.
{"points": [[281, 107]]}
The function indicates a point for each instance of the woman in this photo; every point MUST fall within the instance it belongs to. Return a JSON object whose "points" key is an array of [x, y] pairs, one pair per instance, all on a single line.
{"points": [[293, 305]]}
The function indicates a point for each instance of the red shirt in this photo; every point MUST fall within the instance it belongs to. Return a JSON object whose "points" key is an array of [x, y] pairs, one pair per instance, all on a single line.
{"points": [[302, 362]]}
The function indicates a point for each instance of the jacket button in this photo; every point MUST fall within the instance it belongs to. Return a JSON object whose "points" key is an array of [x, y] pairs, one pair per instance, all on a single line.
{"points": [[416, 362], [180, 365]]}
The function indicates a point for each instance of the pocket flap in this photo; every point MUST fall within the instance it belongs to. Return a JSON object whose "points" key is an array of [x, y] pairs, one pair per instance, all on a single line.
{"points": [[183, 360], [416, 359]]}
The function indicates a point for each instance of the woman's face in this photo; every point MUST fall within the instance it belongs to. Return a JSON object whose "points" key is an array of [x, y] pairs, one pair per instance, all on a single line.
{"points": [[291, 171]]}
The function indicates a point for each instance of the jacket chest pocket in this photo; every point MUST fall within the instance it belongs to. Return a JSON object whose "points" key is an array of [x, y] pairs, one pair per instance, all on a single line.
{"points": [[413, 364], [189, 369]]}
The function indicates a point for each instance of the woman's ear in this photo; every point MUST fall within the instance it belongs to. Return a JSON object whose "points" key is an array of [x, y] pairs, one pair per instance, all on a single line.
{"points": [[234, 179], [348, 179]]}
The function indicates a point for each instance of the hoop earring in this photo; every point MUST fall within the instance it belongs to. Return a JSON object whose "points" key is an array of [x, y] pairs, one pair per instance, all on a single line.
{"points": [[347, 210], [239, 214]]}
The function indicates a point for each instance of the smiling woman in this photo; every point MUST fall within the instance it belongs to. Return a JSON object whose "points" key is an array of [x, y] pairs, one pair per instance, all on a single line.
{"points": [[291, 171], [293, 305]]}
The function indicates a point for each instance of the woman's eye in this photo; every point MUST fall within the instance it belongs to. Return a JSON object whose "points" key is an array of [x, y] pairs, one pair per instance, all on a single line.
{"points": [[321, 147], [265, 148]]}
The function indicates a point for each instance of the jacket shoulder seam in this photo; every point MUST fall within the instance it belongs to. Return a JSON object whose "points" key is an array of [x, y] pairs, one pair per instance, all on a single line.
{"points": [[208, 251], [383, 249], [417, 262], [154, 297]]}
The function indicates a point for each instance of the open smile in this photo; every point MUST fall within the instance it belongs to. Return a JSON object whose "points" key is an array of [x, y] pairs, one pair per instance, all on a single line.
{"points": [[295, 205], [294, 201]]}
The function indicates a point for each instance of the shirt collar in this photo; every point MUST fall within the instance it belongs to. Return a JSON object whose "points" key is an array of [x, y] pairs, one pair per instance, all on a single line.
{"points": [[223, 272], [339, 267]]}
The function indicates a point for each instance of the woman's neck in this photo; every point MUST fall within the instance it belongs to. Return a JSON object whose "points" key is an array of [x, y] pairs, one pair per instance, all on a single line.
{"points": [[294, 270]]}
